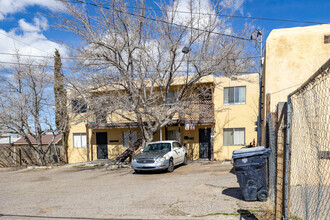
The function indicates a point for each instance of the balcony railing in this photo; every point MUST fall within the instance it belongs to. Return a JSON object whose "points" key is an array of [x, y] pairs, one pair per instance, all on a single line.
{"points": [[195, 112], [198, 112]]}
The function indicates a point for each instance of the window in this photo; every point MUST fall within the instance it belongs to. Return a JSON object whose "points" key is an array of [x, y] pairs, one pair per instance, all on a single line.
{"points": [[101, 117], [159, 147], [171, 96], [129, 139], [327, 39], [172, 135], [234, 95], [324, 155], [79, 140], [177, 145], [78, 106], [233, 136]]}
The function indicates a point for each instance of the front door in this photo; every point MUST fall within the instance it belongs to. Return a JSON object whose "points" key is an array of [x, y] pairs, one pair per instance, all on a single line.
{"points": [[205, 143], [102, 145]]}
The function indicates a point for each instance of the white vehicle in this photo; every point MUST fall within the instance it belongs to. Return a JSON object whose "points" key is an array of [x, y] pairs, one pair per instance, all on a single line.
{"points": [[160, 155]]}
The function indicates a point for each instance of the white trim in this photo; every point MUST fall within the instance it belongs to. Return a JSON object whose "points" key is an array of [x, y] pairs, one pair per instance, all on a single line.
{"points": [[79, 139]]}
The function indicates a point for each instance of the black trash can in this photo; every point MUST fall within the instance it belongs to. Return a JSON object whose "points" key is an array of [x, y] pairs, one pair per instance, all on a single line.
{"points": [[250, 169]]}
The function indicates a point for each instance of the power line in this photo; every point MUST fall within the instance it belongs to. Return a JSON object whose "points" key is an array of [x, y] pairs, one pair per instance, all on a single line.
{"points": [[213, 14], [30, 55], [23, 42], [165, 22], [51, 67], [93, 59], [32, 65]]}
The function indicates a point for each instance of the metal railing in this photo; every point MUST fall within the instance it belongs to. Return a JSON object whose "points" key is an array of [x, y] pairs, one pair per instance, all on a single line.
{"points": [[198, 112]]}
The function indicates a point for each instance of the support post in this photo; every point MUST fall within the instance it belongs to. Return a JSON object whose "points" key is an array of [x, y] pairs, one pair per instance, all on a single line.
{"points": [[20, 156], [87, 142], [212, 142], [166, 138], [259, 121], [161, 134], [15, 156], [179, 133]]}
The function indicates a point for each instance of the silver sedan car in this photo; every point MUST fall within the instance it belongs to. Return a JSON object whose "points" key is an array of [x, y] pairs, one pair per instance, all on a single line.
{"points": [[160, 155]]}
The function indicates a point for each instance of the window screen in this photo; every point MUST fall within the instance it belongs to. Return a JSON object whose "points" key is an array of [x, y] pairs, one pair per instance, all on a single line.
{"points": [[233, 136], [234, 95]]}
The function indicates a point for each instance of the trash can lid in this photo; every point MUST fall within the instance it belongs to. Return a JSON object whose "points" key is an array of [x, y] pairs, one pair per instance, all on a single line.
{"points": [[248, 152]]}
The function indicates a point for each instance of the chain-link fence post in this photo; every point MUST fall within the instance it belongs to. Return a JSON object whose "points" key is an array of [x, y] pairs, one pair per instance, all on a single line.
{"points": [[287, 161]]}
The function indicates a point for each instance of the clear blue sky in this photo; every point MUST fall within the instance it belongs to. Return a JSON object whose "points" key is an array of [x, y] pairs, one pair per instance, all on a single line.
{"points": [[300, 10], [21, 20]]}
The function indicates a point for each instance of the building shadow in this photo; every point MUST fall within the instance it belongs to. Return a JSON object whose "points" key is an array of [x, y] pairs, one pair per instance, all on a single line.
{"points": [[246, 215], [234, 192], [49, 217], [232, 171], [158, 171]]}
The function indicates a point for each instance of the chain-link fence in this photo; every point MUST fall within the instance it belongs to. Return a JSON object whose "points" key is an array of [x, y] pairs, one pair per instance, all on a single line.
{"points": [[309, 163], [272, 165]]}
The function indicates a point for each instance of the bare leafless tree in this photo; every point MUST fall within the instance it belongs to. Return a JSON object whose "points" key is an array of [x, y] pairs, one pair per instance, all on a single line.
{"points": [[26, 104], [133, 57]]}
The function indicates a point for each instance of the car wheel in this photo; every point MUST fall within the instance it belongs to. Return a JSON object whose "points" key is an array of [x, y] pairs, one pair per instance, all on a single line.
{"points": [[170, 166], [185, 160]]}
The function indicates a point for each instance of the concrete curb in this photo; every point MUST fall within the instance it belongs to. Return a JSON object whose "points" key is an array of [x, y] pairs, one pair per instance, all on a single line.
{"points": [[39, 167]]}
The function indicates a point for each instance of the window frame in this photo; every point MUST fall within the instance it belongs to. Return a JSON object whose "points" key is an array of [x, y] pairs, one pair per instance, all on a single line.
{"points": [[233, 136], [234, 98], [130, 137], [177, 144], [171, 97], [78, 107], [81, 138], [176, 132]]}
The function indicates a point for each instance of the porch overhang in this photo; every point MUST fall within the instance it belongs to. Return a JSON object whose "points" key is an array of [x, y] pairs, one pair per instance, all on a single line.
{"points": [[176, 122]]}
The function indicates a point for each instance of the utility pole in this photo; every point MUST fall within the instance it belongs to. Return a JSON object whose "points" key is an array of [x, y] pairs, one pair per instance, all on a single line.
{"points": [[257, 36]]}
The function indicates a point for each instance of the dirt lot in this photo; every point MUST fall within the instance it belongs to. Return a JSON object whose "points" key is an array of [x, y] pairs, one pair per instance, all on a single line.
{"points": [[196, 191]]}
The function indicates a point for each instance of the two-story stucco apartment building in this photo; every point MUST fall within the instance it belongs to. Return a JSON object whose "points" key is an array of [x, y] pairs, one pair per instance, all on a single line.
{"points": [[292, 55], [226, 123]]}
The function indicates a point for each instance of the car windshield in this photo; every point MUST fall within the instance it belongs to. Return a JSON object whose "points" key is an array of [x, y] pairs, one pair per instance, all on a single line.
{"points": [[160, 147]]}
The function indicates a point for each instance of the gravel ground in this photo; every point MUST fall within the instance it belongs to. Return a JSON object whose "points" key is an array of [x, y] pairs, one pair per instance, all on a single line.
{"points": [[199, 190]]}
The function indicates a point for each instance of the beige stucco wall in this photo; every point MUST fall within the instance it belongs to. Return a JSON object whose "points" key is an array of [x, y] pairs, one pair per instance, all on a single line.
{"points": [[76, 155], [235, 116], [292, 55], [226, 116]]}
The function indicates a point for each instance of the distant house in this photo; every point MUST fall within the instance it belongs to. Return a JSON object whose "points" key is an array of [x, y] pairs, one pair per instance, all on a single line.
{"points": [[6, 140], [46, 139]]}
